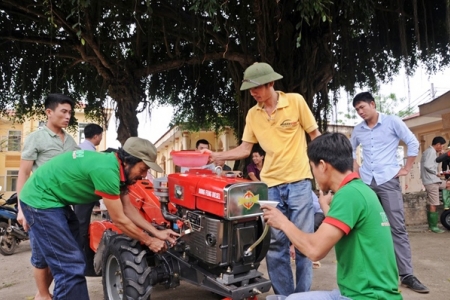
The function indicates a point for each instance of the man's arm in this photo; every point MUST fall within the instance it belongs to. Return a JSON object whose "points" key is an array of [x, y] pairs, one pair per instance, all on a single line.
{"points": [[443, 157], [133, 214], [355, 143], [116, 212], [316, 245], [408, 166], [356, 167], [404, 134], [24, 173], [241, 151], [313, 134], [252, 176]]}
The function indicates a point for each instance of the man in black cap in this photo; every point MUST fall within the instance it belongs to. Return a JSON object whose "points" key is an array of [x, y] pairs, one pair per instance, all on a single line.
{"points": [[80, 177]]}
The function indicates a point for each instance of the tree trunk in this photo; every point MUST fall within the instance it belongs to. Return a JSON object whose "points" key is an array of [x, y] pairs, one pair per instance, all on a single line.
{"points": [[128, 100]]}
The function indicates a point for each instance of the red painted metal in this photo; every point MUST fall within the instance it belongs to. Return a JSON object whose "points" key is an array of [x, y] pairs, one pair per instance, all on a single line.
{"points": [[200, 189], [143, 198], [96, 230]]}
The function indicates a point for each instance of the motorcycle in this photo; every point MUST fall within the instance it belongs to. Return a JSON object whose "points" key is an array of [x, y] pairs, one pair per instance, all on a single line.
{"points": [[11, 232]]}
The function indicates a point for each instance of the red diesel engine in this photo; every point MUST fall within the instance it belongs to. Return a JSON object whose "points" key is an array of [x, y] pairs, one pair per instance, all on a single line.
{"points": [[222, 215], [223, 237]]}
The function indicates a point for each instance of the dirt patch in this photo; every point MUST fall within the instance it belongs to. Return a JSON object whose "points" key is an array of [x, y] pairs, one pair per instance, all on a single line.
{"points": [[429, 260]]}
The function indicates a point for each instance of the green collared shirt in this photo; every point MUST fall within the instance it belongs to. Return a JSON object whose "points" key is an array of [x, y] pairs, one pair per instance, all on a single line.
{"points": [[43, 144]]}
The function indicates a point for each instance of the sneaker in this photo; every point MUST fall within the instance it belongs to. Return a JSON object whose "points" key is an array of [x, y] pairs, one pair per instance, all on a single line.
{"points": [[414, 284]]}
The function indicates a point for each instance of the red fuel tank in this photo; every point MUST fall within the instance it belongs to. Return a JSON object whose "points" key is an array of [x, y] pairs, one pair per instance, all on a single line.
{"points": [[222, 195]]}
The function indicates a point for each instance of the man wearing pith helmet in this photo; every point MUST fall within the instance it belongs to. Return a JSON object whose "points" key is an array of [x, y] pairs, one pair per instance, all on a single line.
{"points": [[278, 122], [80, 177]]}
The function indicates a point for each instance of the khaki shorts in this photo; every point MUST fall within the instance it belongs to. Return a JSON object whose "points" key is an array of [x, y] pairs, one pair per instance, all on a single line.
{"points": [[433, 192]]}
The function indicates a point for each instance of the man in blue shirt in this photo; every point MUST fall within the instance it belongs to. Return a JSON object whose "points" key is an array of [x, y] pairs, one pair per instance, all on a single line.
{"points": [[379, 136]]}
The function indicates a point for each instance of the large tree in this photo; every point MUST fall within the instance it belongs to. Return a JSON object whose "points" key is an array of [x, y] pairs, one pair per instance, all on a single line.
{"points": [[192, 53]]}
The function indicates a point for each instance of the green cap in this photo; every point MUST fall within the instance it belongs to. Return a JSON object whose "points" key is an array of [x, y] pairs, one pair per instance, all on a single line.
{"points": [[258, 74], [142, 149]]}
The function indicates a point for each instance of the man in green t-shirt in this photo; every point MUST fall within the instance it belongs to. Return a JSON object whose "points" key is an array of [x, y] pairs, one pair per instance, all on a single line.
{"points": [[81, 177], [355, 224]]}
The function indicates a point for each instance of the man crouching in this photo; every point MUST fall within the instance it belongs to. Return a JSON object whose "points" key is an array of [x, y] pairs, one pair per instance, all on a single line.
{"points": [[80, 177], [355, 224]]}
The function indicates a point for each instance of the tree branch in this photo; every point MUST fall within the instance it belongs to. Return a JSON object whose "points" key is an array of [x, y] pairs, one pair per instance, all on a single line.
{"points": [[177, 63]]}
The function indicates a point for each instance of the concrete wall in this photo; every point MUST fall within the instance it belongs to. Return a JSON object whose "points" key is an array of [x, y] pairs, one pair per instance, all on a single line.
{"points": [[415, 206]]}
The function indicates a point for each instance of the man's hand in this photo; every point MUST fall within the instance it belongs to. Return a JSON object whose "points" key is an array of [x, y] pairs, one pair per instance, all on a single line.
{"points": [[292, 252], [157, 245], [167, 235], [211, 155], [274, 217], [325, 199], [402, 172], [21, 220]]}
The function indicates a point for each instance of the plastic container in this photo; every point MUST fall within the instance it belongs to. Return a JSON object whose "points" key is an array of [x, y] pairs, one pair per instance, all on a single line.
{"points": [[189, 159], [276, 297]]}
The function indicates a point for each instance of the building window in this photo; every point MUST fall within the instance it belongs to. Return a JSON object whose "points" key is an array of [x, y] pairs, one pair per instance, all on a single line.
{"points": [[11, 180], [14, 140], [81, 132]]}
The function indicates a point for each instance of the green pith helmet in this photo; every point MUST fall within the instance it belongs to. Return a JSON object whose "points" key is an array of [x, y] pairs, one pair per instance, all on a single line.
{"points": [[258, 74]]}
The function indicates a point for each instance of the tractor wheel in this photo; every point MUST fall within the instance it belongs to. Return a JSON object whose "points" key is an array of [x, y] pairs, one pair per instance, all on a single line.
{"points": [[126, 275], [445, 219], [8, 242]]}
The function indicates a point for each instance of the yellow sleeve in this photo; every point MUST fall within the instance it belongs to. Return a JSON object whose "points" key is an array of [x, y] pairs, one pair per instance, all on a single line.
{"points": [[249, 135], [307, 120]]}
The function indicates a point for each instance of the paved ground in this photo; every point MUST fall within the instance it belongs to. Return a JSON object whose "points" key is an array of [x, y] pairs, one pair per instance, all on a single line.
{"points": [[430, 259]]}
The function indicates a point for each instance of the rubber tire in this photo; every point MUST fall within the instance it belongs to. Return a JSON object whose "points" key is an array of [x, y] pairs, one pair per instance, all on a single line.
{"points": [[5, 248], [445, 219], [126, 274]]}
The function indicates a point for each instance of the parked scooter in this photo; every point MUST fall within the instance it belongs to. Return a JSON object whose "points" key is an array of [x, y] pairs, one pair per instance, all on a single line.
{"points": [[11, 232]]}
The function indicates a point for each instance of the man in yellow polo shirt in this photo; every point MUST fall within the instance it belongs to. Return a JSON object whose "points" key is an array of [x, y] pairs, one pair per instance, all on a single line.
{"points": [[278, 122]]}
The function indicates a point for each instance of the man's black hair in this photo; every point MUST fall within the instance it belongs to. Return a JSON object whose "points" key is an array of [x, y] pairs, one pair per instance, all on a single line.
{"points": [[364, 97], [131, 161], [92, 129], [259, 150], [202, 141], [438, 140], [53, 100], [333, 148]]}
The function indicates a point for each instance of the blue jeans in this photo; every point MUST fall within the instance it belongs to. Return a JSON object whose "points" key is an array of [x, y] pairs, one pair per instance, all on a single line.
{"points": [[56, 234], [296, 203], [318, 295]]}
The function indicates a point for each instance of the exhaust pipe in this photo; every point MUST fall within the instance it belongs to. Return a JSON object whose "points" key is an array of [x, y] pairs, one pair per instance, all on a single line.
{"points": [[165, 212], [18, 233], [161, 190]]}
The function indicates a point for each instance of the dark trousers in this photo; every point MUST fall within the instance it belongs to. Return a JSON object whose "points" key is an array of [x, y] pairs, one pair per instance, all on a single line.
{"points": [[83, 213]]}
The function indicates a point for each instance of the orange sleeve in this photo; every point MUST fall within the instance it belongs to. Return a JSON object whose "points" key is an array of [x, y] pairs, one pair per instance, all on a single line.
{"points": [[339, 224]]}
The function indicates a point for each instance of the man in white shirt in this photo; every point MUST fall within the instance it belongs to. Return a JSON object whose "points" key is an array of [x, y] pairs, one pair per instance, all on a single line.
{"points": [[93, 135], [200, 145]]}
